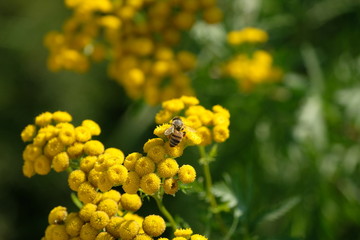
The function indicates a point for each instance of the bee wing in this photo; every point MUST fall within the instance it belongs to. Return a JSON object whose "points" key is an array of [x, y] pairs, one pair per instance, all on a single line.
{"points": [[169, 131], [190, 129]]}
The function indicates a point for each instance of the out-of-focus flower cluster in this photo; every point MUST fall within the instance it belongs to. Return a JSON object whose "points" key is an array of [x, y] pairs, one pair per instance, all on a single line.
{"points": [[210, 125], [93, 172], [251, 69], [138, 37]]}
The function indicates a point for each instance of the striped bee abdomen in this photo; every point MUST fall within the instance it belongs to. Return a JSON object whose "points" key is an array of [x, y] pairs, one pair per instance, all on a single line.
{"points": [[175, 138]]}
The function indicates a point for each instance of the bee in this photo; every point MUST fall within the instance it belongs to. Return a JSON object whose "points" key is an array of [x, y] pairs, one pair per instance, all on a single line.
{"points": [[176, 132]]}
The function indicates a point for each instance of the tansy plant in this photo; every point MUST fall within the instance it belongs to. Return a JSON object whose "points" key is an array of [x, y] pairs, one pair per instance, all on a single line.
{"points": [[110, 188]]}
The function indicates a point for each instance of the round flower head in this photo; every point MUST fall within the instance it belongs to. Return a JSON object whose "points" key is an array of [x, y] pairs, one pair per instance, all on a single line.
{"points": [[114, 225], [117, 174], [75, 150], [28, 133], [57, 215], [159, 130], [99, 220], [179, 238], [88, 232], [94, 128], [198, 237], [42, 165], [131, 202], [94, 147], [221, 133], [59, 232], [87, 163], [171, 186], [205, 135], [183, 232], [221, 119], [163, 116], [193, 121], [220, 109], [131, 159], [152, 142], [109, 206], [157, 153], [82, 134], [67, 135], [31, 152], [187, 174], [112, 194], [150, 183], [73, 225], [43, 119], [75, 179], [128, 229], [173, 105], [154, 225], [193, 138], [144, 166], [168, 168], [132, 183], [116, 153], [143, 237], [189, 100], [86, 192], [104, 236], [61, 162], [28, 169], [40, 139], [94, 177], [176, 151], [104, 184], [53, 147], [87, 211], [60, 116]]}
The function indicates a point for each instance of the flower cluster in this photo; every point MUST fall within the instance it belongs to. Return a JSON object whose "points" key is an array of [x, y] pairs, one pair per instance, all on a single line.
{"points": [[199, 121], [251, 69], [138, 38], [104, 213]]}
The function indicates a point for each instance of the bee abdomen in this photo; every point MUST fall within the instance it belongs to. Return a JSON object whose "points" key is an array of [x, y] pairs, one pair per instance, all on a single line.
{"points": [[175, 140]]}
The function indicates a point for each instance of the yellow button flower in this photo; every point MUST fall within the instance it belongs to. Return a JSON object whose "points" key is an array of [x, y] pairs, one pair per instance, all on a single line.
{"points": [[94, 128], [28, 169], [53, 147], [67, 135], [86, 211], [116, 153], [88, 232], [187, 174], [163, 116], [168, 168], [143, 237], [157, 153], [131, 202], [86, 192], [31, 152], [82, 134], [117, 174], [57, 215], [59, 232], [60, 116], [99, 219], [104, 183], [173, 105], [42, 165], [75, 150], [131, 159], [61, 162], [171, 186], [109, 206], [87, 163], [104, 236], [28, 133], [152, 142], [198, 237], [112, 194], [154, 225], [128, 229], [221, 133], [114, 225], [150, 183], [43, 119], [75, 179], [94, 147], [183, 232], [144, 165], [73, 224], [132, 183]]}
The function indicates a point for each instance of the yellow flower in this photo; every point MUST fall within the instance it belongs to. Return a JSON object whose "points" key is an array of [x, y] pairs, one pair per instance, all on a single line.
{"points": [[152, 142], [150, 183], [176, 151], [75, 179], [144, 165], [168, 168], [171, 186], [59, 232], [131, 159], [187, 174], [193, 138], [53, 147], [189, 100], [28, 133], [205, 134], [104, 236], [130, 202], [198, 237], [82, 134], [61, 162], [109, 206], [193, 121], [43, 119], [42, 165], [87, 232], [73, 224], [117, 174], [87, 163], [57, 215], [128, 229], [179, 238], [213, 15], [132, 183], [159, 130], [28, 169], [112, 194], [94, 128], [99, 220], [40, 139], [116, 153], [67, 135], [60, 116], [86, 192], [221, 119], [173, 105], [143, 237], [220, 109], [75, 150], [31, 152], [187, 62], [104, 184], [154, 225], [113, 226], [94, 147], [157, 153], [183, 232], [94, 177], [163, 116], [221, 133], [86, 211]]}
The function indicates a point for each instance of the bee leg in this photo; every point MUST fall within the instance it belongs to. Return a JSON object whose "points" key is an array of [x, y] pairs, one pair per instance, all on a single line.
{"points": [[184, 134]]}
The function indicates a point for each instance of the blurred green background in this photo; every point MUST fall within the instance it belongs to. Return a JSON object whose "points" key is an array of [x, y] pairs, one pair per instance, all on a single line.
{"points": [[291, 165]]}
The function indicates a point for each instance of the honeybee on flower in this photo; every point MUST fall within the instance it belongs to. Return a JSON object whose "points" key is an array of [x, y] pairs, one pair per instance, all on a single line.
{"points": [[177, 131]]}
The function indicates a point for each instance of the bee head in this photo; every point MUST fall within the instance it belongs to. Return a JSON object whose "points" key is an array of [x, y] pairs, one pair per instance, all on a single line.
{"points": [[178, 123]]}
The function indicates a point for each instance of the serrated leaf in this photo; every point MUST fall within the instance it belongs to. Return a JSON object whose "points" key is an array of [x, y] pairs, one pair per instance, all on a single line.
{"points": [[225, 194]]}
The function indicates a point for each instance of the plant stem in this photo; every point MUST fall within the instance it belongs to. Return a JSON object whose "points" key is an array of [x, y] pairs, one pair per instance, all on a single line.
{"points": [[164, 211]]}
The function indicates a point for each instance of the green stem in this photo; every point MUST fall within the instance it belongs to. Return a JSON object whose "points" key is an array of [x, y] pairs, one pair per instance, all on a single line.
{"points": [[165, 212]]}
